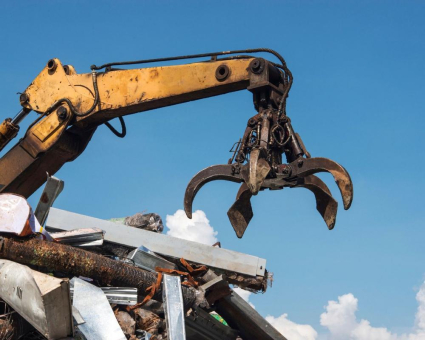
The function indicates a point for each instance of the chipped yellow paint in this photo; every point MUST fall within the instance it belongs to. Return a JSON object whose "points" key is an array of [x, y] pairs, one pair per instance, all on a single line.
{"points": [[47, 126], [47, 133], [122, 92], [123, 88]]}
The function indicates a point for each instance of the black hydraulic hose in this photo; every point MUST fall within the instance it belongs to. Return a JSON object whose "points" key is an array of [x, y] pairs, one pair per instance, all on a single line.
{"points": [[115, 132], [72, 108]]}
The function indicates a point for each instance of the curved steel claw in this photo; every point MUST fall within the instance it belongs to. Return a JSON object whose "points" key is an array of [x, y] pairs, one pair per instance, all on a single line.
{"points": [[240, 213], [299, 173], [303, 167], [225, 172], [325, 203]]}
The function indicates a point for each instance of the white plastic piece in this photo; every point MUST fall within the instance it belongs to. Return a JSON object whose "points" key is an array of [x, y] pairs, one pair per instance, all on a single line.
{"points": [[17, 217]]}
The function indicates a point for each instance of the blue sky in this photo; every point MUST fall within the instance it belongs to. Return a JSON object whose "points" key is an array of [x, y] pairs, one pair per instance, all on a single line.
{"points": [[358, 98]]}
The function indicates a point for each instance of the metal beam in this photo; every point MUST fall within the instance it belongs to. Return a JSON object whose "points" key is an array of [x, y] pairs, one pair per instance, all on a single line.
{"points": [[220, 258], [240, 315]]}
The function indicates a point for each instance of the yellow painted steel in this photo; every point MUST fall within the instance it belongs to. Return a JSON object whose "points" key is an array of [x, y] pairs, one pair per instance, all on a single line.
{"points": [[42, 136], [135, 87], [121, 92], [8, 131]]}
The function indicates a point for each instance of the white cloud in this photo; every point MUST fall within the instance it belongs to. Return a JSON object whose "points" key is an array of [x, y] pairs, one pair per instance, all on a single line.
{"points": [[197, 229], [341, 321], [244, 294], [340, 316], [420, 314], [292, 330]]}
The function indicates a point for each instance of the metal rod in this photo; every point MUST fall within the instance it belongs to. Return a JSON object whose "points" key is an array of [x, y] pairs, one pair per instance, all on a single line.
{"points": [[20, 116], [78, 262]]}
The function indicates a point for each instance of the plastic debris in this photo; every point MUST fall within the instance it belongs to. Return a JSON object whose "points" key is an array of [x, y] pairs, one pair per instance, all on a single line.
{"points": [[17, 217]]}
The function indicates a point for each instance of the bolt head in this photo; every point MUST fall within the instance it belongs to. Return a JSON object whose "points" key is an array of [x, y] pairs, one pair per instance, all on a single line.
{"points": [[257, 66], [51, 65], [23, 98], [62, 113]]}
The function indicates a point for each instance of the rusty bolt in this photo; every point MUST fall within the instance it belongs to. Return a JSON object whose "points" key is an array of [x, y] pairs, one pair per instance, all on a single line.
{"points": [[23, 98], [286, 170], [62, 113], [252, 122], [257, 66], [284, 120], [222, 72], [51, 65], [66, 69]]}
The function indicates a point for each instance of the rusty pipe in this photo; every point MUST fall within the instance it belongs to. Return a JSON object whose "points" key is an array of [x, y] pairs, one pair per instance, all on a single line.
{"points": [[78, 262]]}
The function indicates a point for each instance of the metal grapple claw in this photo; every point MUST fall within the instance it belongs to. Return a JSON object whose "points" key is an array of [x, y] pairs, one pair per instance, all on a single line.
{"points": [[240, 213], [303, 167], [325, 203], [226, 172], [257, 164]]}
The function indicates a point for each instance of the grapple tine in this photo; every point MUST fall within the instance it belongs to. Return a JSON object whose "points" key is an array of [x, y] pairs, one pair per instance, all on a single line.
{"points": [[305, 167], [240, 213], [325, 203], [212, 173], [258, 170]]}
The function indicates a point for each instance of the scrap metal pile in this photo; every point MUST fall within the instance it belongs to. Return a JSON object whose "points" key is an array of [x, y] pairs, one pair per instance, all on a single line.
{"points": [[86, 278]]}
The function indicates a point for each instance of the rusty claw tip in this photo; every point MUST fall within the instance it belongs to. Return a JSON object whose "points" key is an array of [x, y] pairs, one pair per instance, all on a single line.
{"points": [[212, 173], [240, 213], [325, 203], [342, 178]]}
